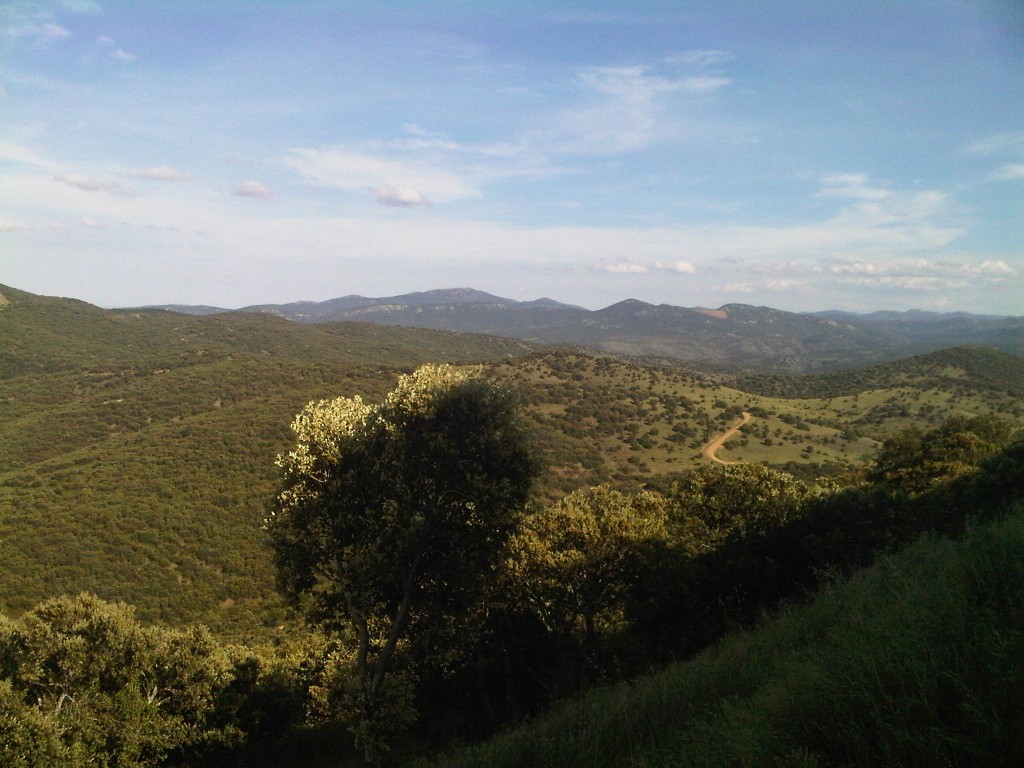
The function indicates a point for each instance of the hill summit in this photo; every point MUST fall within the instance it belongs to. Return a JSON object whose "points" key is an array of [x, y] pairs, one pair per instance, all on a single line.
{"points": [[733, 334]]}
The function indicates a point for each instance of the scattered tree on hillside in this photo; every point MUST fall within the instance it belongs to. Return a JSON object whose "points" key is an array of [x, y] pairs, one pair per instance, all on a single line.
{"points": [[913, 461], [718, 503], [572, 561], [390, 521]]}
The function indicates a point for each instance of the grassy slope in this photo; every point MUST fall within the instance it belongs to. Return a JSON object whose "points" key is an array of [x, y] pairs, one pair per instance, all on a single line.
{"points": [[601, 419], [137, 458], [138, 449], [914, 661]]}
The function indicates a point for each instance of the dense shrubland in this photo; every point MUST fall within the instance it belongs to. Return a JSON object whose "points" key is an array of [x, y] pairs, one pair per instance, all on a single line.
{"points": [[497, 622], [137, 464]]}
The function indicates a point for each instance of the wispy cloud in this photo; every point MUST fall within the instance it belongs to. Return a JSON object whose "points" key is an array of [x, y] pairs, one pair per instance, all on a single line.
{"points": [[682, 267], [625, 268], [998, 143], [1008, 172], [14, 152], [701, 58], [10, 225], [91, 184], [401, 197], [389, 179], [82, 6], [158, 173], [113, 51], [252, 189], [623, 109], [43, 34]]}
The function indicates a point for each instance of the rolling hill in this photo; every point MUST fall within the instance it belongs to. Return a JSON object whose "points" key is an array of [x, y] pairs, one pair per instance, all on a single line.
{"points": [[138, 452]]}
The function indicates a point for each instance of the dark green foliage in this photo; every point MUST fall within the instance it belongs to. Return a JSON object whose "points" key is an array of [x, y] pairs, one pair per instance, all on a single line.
{"points": [[913, 662], [28, 738], [999, 373], [389, 523], [913, 461]]}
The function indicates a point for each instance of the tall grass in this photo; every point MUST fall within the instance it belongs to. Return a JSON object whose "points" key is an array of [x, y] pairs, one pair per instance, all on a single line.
{"points": [[914, 661]]}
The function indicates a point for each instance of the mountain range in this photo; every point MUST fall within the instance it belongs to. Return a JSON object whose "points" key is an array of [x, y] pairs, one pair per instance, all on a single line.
{"points": [[733, 334]]}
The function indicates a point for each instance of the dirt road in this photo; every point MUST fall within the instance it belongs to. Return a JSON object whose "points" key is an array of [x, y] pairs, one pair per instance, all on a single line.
{"points": [[712, 447]]}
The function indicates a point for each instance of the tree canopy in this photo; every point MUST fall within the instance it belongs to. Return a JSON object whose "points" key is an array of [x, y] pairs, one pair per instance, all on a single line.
{"points": [[392, 516]]}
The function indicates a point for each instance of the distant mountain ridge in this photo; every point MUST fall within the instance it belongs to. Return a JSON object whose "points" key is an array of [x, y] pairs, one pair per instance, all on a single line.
{"points": [[734, 334], [138, 447]]}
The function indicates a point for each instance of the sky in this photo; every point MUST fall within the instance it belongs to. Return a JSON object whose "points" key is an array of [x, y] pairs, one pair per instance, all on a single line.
{"points": [[856, 155]]}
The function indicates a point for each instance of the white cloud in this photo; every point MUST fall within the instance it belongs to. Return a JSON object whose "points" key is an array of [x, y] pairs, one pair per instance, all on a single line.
{"points": [[357, 171], [402, 197], [781, 285], [48, 32], [90, 184], [10, 225], [13, 152], [996, 268], [1008, 172], [252, 189], [701, 58], [118, 54], [743, 287], [623, 109], [704, 84], [854, 185], [683, 267], [625, 268], [630, 84], [999, 143], [158, 173]]}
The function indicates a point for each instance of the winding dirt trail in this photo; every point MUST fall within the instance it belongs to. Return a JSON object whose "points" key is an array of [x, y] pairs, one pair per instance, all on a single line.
{"points": [[712, 447]]}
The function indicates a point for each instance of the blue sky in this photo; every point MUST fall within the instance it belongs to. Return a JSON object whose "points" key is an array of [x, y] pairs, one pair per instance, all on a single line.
{"points": [[802, 155]]}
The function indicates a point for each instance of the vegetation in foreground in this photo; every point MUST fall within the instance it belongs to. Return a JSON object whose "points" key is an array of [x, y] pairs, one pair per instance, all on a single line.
{"points": [[596, 587], [913, 661]]}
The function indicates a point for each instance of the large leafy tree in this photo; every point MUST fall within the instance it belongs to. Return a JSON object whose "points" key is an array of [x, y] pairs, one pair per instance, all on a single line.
{"points": [[391, 520]]}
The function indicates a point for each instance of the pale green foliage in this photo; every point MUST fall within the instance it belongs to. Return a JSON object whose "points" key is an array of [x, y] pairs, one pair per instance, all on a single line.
{"points": [[418, 393], [717, 503], [28, 737], [572, 560], [116, 692], [325, 430]]}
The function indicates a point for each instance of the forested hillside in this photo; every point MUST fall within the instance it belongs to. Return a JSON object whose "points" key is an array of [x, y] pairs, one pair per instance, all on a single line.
{"points": [[736, 334], [154, 475], [138, 448], [592, 589]]}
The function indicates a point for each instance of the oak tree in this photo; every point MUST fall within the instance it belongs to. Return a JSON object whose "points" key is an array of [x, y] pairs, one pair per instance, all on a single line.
{"points": [[391, 519]]}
